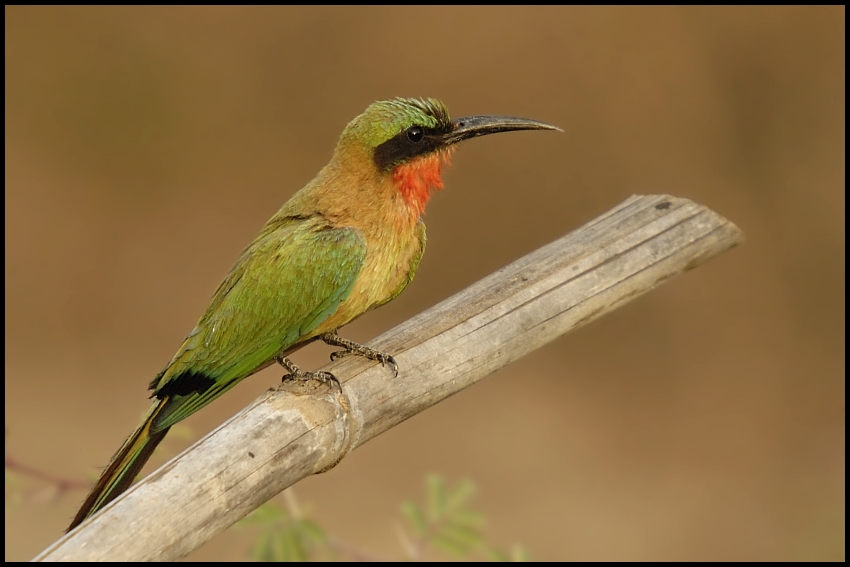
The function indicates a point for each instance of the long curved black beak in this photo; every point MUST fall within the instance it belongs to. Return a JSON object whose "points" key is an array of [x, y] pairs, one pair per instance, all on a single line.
{"points": [[472, 126]]}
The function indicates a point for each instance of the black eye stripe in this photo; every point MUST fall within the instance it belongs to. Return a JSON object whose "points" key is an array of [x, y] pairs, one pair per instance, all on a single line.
{"points": [[414, 141]]}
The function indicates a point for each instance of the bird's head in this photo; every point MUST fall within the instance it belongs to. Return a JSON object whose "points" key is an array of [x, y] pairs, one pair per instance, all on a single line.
{"points": [[411, 140]]}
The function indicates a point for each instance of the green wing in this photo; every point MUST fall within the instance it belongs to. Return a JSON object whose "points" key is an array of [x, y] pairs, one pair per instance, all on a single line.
{"points": [[286, 283]]}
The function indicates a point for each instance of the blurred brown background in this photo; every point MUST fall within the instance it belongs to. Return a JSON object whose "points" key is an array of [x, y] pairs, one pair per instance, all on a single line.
{"points": [[145, 147]]}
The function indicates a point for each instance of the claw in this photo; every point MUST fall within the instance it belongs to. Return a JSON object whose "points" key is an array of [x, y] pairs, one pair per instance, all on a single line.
{"points": [[390, 361], [296, 373], [351, 347]]}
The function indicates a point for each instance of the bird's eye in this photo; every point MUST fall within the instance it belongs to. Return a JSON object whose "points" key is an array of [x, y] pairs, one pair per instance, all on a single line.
{"points": [[415, 134]]}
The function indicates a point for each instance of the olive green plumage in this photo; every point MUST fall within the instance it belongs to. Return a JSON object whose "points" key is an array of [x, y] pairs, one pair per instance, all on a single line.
{"points": [[349, 241], [248, 323], [384, 119]]}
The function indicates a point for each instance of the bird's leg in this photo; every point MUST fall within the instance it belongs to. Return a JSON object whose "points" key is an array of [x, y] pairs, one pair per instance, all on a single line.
{"points": [[296, 373], [351, 347]]}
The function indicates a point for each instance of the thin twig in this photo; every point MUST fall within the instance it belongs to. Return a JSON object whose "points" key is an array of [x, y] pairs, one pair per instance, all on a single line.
{"points": [[62, 484]]}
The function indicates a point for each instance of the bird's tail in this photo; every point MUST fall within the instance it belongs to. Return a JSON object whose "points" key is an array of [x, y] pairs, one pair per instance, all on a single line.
{"points": [[124, 466]]}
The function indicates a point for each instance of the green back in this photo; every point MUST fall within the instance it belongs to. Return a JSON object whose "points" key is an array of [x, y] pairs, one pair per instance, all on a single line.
{"points": [[286, 283]]}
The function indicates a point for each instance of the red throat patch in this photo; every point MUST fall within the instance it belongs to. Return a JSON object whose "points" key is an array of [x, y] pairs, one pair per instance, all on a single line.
{"points": [[417, 178]]}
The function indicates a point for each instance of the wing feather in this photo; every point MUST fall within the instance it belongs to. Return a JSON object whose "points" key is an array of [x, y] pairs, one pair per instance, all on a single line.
{"points": [[285, 284]]}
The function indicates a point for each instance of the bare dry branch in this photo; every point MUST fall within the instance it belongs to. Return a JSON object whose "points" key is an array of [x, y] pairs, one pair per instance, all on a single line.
{"points": [[304, 428]]}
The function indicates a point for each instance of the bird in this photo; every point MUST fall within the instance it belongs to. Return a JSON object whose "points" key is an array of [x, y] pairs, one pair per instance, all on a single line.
{"points": [[347, 242]]}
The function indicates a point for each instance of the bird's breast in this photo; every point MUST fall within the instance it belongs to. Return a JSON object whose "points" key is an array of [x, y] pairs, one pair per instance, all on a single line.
{"points": [[392, 255]]}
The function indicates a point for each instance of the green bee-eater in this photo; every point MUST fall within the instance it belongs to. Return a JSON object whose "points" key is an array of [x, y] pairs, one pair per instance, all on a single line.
{"points": [[347, 242]]}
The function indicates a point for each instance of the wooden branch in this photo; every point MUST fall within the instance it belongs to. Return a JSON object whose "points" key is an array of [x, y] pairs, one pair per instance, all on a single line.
{"points": [[301, 429]]}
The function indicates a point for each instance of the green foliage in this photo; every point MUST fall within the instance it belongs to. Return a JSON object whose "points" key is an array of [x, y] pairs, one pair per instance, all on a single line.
{"points": [[285, 537], [445, 525], [448, 524], [13, 490]]}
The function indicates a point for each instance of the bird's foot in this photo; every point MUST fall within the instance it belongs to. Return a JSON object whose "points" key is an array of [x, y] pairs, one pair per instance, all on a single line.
{"points": [[351, 347], [296, 373]]}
